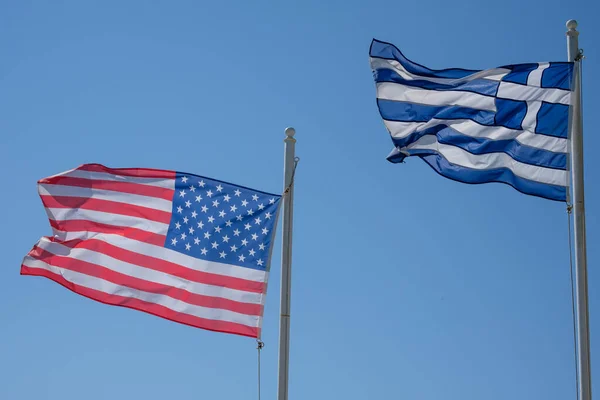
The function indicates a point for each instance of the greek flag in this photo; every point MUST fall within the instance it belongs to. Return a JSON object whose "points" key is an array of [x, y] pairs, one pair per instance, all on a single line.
{"points": [[507, 124]]}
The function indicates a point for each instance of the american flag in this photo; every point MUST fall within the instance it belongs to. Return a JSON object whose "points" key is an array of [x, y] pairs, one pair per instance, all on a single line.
{"points": [[180, 246]]}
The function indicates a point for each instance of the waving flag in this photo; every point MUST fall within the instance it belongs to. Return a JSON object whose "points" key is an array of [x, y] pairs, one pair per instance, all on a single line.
{"points": [[180, 246], [507, 124]]}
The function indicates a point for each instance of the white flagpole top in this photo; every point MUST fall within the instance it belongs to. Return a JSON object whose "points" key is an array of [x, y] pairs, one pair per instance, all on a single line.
{"points": [[571, 24], [290, 132]]}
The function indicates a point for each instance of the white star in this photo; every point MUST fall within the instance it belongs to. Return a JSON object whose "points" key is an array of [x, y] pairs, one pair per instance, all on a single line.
{"points": [[211, 219], [179, 209], [261, 206], [227, 198], [177, 225], [216, 203], [200, 224], [207, 235], [268, 215], [250, 212], [254, 197], [194, 214], [192, 188], [242, 258], [237, 192], [236, 232], [209, 193], [185, 220], [215, 244], [252, 252], [272, 201], [201, 183], [222, 254], [247, 226], [183, 236], [184, 179], [261, 246], [244, 203], [257, 220], [222, 214], [218, 229], [204, 251], [259, 262], [239, 217], [265, 231], [181, 193], [174, 241], [219, 188], [233, 248], [198, 198], [228, 224], [225, 239], [233, 208], [254, 236], [188, 247], [244, 242], [204, 209], [196, 241], [188, 204], [191, 230]]}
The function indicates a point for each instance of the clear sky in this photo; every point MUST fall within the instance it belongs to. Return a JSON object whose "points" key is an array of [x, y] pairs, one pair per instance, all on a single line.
{"points": [[406, 285]]}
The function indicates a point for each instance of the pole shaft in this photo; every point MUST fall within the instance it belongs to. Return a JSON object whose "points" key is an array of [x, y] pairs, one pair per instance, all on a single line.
{"points": [[577, 183], [286, 265]]}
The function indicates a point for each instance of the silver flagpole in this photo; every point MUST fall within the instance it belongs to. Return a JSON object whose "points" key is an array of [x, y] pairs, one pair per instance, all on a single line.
{"points": [[576, 136], [286, 264]]}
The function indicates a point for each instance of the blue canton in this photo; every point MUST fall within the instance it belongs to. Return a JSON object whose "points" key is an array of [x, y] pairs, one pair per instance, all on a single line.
{"points": [[221, 222]]}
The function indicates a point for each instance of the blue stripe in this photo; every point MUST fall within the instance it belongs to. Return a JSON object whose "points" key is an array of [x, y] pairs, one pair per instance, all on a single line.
{"points": [[558, 75], [553, 120], [411, 112], [522, 153], [500, 175], [482, 86], [388, 51]]}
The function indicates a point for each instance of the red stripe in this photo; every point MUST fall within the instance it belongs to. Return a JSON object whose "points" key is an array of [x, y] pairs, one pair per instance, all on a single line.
{"points": [[115, 186], [90, 226], [135, 172], [150, 308], [170, 268], [108, 206], [102, 272]]}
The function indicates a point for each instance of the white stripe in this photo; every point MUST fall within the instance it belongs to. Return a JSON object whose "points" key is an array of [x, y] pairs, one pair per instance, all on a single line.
{"points": [[412, 94], [471, 128], [110, 288], [458, 156], [159, 182], [535, 76], [494, 74], [127, 198], [530, 120], [514, 91], [169, 255], [148, 274], [66, 214]]}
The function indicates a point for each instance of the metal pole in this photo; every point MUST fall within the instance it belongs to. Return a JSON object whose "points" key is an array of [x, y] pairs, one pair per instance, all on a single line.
{"points": [[286, 265], [576, 137]]}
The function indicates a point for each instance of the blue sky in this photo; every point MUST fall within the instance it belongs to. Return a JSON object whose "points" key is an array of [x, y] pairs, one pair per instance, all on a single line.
{"points": [[405, 284]]}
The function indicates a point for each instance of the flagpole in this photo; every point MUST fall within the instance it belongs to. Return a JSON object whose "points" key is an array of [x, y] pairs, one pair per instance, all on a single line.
{"points": [[286, 264], [576, 136]]}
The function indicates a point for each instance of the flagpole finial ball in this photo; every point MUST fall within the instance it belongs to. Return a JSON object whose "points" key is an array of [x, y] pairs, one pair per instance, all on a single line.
{"points": [[290, 132], [571, 24]]}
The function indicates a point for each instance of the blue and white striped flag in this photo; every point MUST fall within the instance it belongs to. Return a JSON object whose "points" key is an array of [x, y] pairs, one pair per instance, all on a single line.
{"points": [[507, 124]]}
